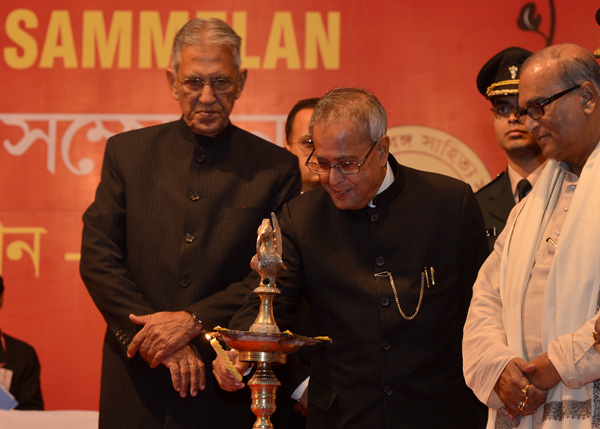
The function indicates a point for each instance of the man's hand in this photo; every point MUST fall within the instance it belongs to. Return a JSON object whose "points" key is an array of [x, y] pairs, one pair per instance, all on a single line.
{"points": [[225, 377], [545, 375], [511, 388], [187, 371], [162, 335]]}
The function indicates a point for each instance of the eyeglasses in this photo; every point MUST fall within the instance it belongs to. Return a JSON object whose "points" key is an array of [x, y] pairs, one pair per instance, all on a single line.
{"points": [[347, 168], [218, 85], [536, 110], [504, 110]]}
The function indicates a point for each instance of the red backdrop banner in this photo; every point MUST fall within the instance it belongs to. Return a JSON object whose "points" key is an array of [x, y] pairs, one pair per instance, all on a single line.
{"points": [[75, 73]]}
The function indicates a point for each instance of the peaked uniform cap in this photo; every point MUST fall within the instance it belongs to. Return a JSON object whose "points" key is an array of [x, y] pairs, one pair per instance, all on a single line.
{"points": [[500, 75]]}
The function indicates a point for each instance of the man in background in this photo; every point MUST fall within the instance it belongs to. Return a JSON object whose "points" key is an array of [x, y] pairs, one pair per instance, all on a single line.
{"points": [[172, 226], [19, 369], [297, 139], [498, 81]]}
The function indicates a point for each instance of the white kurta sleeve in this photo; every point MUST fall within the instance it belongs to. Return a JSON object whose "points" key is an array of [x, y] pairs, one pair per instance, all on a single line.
{"points": [[485, 353], [576, 356]]}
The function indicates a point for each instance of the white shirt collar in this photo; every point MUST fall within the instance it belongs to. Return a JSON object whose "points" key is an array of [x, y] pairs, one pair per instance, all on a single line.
{"points": [[387, 181], [515, 178]]}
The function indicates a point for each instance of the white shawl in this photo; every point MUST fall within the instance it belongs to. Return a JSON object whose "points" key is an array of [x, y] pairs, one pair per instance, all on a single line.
{"points": [[571, 295]]}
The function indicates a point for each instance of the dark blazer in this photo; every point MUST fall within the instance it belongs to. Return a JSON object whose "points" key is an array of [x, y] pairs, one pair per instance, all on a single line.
{"points": [[496, 200], [25, 365], [173, 224], [383, 371]]}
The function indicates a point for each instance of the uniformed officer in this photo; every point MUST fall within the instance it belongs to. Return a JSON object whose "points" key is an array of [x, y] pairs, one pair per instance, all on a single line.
{"points": [[498, 81]]}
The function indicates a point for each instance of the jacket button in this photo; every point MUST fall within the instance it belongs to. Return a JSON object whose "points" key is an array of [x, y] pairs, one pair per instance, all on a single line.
{"points": [[189, 238], [194, 196], [119, 333], [388, 391], [199, 157], [374, 217], [386, 345], [380, 261], [385, 301], [184, 282]]}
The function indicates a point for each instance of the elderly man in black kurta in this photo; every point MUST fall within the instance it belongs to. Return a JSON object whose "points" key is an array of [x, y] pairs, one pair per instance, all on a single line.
{"points": [[387, 255], [173, 224]]}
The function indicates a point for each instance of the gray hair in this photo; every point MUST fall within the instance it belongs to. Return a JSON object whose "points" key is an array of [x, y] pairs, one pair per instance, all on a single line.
{"points": [[576, 64], [356, 105], [203, 32]]}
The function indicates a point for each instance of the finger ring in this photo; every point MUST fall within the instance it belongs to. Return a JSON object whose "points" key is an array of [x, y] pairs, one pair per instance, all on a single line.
{"points": [[521, 405], [525, 390]]}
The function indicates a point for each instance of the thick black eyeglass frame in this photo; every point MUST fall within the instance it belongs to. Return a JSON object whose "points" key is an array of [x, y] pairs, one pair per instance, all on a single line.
{"points": [[533, 110]]}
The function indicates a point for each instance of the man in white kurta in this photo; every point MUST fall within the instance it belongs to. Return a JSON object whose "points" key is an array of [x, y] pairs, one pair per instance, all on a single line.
{"points": [[528, 347]]}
